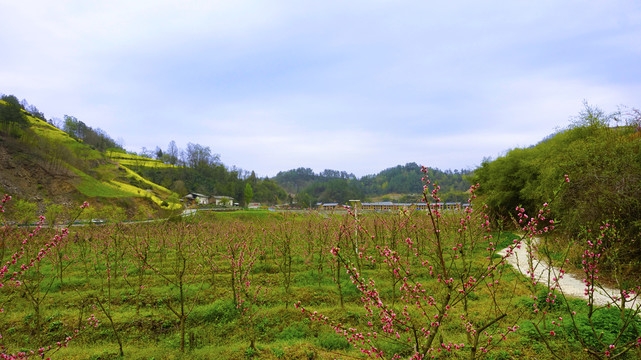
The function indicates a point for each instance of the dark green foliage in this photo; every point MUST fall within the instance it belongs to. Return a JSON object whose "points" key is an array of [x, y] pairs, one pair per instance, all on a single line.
{"points": [[404, 180], [12, 100], [528, 330], [201, 171], [295, 180], [55, 326], [547, 301], [221, 311], [389, 347], [600, 153], [604, 330], [267, 191], [278, 353], [340, 186], [332, 341], [138, 183], [11, 111], [96, 138], [334, 190], [248, 193], [298, 330], [214, 179], [504, 180], [250, 352], [499, 355]]}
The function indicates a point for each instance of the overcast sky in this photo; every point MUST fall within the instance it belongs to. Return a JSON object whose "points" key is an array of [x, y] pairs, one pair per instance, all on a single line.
{"points": [[358, 86]]}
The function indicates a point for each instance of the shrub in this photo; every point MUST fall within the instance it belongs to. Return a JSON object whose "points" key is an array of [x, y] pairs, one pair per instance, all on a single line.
{"points": [[332, 341], [295, 331], [219, 312]]}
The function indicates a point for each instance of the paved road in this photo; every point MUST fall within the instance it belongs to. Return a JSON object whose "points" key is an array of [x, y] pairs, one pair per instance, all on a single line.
{"points": [[569, 284]]}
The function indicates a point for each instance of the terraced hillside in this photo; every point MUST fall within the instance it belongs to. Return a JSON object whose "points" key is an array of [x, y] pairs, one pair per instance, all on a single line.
{"points": [[43, 165]]}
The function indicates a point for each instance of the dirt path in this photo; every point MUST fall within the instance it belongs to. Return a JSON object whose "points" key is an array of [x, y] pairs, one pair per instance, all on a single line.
{"points": [[569, 284]]}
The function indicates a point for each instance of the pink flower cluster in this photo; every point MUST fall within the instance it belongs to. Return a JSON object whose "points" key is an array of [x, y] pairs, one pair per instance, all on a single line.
{"points": [[13, 269], [3, 201]]}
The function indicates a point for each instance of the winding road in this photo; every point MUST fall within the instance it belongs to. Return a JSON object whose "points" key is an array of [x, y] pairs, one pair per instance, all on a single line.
{"points": [[568, 283]]}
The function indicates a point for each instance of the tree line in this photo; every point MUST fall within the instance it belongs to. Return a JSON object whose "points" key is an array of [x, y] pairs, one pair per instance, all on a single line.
{"points": [[198, 169], [340, 186], [12, 110], [96, 138]]}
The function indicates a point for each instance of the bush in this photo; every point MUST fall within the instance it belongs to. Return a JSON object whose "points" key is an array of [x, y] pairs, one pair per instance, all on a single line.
{"points": [[278, 353], [219, 312], [295, 331], [333, 341], [605, 328], [547, 300]]}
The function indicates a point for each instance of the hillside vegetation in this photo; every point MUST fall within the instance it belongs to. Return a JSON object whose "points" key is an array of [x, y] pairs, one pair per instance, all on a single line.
{"points": [[44, 167], [601, 155]]}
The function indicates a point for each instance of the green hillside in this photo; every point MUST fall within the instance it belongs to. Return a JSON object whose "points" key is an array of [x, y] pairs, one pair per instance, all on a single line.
{"points": [[71, 161], [589, 173], [44, 165]]}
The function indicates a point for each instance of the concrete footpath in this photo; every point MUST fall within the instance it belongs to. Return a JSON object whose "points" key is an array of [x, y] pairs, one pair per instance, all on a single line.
{"points": [[570, 285]]}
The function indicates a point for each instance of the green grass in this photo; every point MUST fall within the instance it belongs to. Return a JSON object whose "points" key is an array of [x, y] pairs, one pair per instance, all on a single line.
{"points": [[93, 187], [215, 327], [126, 159]]}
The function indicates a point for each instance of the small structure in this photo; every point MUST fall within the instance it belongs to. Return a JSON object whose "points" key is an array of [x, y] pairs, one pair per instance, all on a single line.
{"points": [[329, 206], [387, 206], [197, 199], [253, 205], [226, 201], [381, 205]]}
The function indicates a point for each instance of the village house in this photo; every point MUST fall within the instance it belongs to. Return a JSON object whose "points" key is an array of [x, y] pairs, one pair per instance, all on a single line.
{"points": [[388, 206], [196, 199], [225, 201], [330, 206], [201, 199]]}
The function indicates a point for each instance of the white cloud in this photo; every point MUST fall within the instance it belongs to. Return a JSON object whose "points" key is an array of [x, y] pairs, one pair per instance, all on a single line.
{"points": [[355, 86]]}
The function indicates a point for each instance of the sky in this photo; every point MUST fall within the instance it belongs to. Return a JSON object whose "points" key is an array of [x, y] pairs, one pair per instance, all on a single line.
{"points": [[356, 86]]}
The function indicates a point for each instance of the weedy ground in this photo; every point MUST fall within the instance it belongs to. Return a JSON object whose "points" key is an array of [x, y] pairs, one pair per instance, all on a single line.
{"points": [[141, 280]]}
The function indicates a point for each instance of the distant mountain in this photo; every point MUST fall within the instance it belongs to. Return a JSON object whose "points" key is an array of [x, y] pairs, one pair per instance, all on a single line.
{"points": [[402, 183]]}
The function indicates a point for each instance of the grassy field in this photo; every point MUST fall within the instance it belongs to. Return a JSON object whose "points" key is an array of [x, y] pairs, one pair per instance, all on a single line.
{"points": [[254, 284]]}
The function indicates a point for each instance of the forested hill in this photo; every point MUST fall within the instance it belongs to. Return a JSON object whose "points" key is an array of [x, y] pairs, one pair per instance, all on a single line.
{"points": [[402, 182], [407, 180]]}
